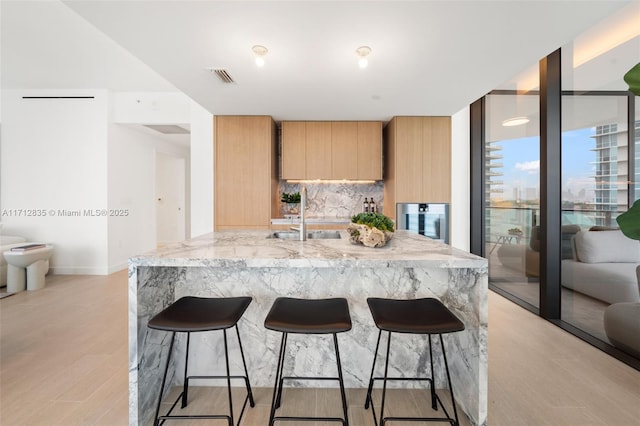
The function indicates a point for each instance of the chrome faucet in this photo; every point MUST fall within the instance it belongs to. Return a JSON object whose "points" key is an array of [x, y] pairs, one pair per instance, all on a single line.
{"points": [[303, 206]]}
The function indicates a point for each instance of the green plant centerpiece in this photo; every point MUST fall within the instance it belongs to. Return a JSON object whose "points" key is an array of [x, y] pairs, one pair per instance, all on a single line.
{"points": [[370, 229], [292, 200]]}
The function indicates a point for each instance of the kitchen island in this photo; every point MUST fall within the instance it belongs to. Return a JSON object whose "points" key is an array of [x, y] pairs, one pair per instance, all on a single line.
{"points": [[241, 263]]}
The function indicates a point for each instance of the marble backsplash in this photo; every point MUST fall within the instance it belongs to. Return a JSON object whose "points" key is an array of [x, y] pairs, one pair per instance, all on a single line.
{"points": [[334, 199]]}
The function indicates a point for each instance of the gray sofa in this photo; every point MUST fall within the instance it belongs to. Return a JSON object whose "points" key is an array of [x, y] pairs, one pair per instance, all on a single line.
{"points": [[603, 266]]}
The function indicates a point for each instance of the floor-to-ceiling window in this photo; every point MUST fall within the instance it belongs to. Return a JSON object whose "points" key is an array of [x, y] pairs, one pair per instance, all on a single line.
{"points": [[594, 192], [598, 177], [599, 171], [512, 185]]}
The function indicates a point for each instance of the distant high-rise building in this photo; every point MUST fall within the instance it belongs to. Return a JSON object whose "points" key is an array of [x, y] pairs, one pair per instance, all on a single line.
{"points": [[493, 173], [611, 171], [531, 194]]}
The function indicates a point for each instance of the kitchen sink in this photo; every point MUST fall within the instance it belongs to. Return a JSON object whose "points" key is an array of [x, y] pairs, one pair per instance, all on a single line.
{"points": [[311, 235], [324, 235]]}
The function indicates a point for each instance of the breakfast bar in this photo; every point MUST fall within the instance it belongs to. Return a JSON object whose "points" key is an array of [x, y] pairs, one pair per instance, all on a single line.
{"points": [[249, 263]]}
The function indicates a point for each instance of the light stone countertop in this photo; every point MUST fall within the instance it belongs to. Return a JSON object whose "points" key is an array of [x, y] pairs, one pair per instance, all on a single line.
{"points": [[254, 249], [240, 263], [312, 220]]}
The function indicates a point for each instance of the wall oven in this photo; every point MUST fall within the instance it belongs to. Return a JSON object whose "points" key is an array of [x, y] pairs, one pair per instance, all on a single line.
{"points": [[428, 219]]}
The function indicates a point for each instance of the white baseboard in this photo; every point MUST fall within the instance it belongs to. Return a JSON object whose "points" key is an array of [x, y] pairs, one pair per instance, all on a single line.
{"points": [[80, 270], [77, 270], [118, 267]]}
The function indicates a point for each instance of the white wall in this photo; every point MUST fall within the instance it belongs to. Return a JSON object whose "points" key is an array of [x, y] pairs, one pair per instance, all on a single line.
{"points": [[201, 171], [151, 107], [54, 160], [131, 177], [64, 159], [460, 180]]}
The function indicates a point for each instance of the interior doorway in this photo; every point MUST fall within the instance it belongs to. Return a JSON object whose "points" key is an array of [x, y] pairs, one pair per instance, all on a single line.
{"points": [[170, 198]]}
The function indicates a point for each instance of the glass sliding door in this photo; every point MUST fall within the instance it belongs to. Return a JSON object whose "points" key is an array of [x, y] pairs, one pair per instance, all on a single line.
{"points": [[512, 187], [595, 191], [600, 171], [593, 281]]}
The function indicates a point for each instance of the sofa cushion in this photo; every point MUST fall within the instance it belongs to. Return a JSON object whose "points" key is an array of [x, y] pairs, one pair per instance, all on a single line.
{"points": [[609, 282], [606, 247]]}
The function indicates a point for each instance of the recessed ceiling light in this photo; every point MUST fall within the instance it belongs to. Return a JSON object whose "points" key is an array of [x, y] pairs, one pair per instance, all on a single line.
{"points": [[260, 52], [363, 52], [515, 121]]}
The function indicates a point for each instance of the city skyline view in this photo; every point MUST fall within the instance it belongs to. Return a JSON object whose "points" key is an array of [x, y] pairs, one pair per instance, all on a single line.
{"points": [[521, 167]]}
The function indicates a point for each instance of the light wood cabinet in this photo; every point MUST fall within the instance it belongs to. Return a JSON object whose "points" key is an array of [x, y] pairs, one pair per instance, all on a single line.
{"points": [[293, 149], [344, 150], [332, 150], [417, 161], [318, 150], [369, 150], [436, 136], [245, 172]]}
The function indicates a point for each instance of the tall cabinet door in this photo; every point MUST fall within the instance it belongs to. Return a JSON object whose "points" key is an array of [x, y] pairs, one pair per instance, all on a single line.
{"points": [[318, 150], [293, 150], [409, 161], [417, 161], [244, 171], [369, 150], [344, 150], [436, 138]]}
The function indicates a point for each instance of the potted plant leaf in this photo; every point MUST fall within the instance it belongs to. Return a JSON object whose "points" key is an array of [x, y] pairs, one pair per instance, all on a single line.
{"points": [[629, 221], [632, 78], [292, 200], [370, 229]]}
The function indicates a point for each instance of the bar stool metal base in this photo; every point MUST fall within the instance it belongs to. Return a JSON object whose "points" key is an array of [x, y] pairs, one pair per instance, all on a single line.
{"points": [[159, 420], [279, 382], [192, 314], [435, 399], [307, 316], [424, 316]]}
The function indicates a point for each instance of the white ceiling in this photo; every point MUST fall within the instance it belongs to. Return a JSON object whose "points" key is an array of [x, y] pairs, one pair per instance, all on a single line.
{"points": [[429, 57]]}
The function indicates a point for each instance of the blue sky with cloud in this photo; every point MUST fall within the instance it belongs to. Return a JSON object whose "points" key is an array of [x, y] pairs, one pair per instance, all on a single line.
{"points": [[521, 160]]}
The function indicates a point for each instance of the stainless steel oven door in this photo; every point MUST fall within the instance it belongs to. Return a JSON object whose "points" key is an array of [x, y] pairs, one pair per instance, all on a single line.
{"points": [[428, 219]]}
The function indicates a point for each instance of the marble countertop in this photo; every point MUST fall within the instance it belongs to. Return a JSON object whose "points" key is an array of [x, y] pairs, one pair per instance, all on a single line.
{"points": [[311, 220], [254, 249]]}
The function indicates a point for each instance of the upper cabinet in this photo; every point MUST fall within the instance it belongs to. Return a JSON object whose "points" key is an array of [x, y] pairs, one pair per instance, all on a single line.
{"points": [[332, 150], [344, 150], [318, 150], [293, 149], [417, 161], [370, 150], [245, 172]]}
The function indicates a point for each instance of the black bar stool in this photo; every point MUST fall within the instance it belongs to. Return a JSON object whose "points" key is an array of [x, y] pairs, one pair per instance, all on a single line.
{"points": [[195, 314], [307, 316], [415, 316]]}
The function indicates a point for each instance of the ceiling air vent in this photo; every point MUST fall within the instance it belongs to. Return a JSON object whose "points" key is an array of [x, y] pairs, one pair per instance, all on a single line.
{"points": [[223, 75]]}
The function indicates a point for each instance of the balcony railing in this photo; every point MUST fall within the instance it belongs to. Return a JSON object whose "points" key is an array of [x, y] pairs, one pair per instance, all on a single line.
{"points": [[500, 219]]}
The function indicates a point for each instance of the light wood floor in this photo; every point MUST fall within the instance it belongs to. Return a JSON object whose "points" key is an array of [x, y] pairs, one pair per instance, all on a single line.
{"points": [[63, 361]]}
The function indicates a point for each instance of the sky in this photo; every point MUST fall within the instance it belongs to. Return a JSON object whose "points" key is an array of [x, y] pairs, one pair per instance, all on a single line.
{"points": [[521, 160]]}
